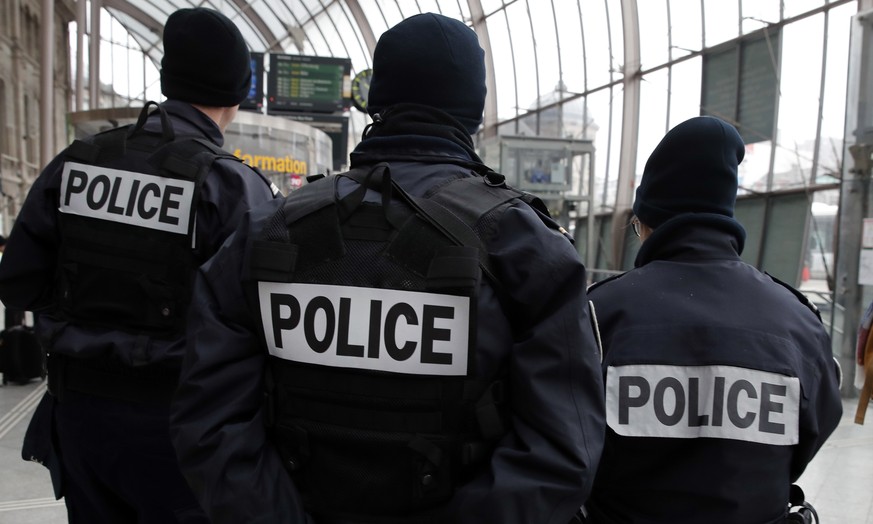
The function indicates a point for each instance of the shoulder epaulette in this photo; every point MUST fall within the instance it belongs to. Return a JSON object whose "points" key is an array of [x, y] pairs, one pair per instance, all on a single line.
{"points": [[800, 296], [599, 283]]}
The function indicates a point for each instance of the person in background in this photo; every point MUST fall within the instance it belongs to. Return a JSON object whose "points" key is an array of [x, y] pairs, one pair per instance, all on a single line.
{"points": [[104, 252], [720, 381], [406, 342], [11, 317]]}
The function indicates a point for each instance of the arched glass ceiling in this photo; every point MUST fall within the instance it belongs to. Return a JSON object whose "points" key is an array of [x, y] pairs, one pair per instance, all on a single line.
{"points": [[619, 72]]}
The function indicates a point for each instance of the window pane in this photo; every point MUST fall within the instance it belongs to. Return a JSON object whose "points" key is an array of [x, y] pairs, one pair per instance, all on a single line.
{"points": [[834, 96], [504, 73], [685, 91], [653, 115], [722, 21], [685, 22], [542, 19], [758, 13], [522, 46], [490, 6], [654, 34], [598, 43], [570, 43], [798, 101], [797, 7]]}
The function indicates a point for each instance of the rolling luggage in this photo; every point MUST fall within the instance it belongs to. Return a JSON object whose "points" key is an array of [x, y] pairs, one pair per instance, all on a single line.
{"points": [[21, 357]]}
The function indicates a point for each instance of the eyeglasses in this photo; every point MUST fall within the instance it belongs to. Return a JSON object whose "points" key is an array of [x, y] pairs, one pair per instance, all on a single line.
{"points": [[635, 224]]}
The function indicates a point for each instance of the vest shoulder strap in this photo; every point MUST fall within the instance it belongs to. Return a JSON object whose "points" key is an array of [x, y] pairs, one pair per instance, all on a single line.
{"points": [[111, 143]]}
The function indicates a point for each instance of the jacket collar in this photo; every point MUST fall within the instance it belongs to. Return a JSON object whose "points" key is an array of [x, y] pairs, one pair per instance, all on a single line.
{"points": [[417, 133], [187, 121], [694, 237]]}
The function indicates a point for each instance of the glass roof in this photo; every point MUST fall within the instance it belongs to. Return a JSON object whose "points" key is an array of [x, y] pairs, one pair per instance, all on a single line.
{"points": [[617, 72]]}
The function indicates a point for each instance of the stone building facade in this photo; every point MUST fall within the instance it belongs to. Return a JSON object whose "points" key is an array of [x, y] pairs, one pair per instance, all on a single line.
{"points": [[20, 95]]}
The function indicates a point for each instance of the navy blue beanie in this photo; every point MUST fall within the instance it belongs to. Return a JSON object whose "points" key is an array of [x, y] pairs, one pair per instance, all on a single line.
{"points": [[693, 170], [206, 60], [433, 60]]}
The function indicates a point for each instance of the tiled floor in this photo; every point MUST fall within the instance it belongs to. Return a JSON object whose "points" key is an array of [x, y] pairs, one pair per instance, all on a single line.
{"points": [[838, 481]]}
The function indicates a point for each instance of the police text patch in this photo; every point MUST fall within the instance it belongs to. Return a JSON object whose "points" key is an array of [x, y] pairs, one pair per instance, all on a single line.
{"points": [[648, 400], [365, 328], [125, 196]]}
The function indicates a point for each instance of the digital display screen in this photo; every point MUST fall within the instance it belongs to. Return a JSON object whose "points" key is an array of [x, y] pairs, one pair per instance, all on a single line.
{"points": [[255, 98], [309, 83]]}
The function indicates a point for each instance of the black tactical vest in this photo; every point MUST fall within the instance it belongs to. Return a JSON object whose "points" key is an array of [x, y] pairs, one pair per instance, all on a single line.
{"points": [[128, 203], [375, 404]]}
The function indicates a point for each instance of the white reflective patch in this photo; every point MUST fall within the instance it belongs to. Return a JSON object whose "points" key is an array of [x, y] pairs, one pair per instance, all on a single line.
{"points": [[127, 197], [366, 328], [647, 400]]}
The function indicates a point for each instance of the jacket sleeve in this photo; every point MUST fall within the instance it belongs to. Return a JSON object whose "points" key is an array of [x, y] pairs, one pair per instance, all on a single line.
{"points": [[27, 269], [542, 470], [821, 405], [230, 190], [217, 416]]}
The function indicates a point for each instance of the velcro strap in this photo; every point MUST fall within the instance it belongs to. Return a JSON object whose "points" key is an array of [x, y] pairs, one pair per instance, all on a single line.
{"points": [[273, 261], [83, 151]]}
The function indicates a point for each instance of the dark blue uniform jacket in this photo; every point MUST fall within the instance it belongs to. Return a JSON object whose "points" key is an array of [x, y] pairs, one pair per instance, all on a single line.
{"points": [[29, 264], [721, 384], [541, 470]]}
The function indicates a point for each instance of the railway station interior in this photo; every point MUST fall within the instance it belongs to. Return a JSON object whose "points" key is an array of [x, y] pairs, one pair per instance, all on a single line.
{"points": [[579, 92]]}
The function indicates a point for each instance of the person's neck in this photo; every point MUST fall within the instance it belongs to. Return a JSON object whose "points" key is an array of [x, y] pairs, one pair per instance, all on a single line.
{"points": [[222, 116]]}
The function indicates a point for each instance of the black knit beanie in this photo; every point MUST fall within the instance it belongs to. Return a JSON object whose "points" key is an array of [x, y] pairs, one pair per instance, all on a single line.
{"points": [[432, 60], [206, 60], [693, 170]]}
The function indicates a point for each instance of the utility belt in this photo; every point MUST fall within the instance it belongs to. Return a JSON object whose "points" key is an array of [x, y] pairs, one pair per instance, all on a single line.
{"points": [[109, 378]]}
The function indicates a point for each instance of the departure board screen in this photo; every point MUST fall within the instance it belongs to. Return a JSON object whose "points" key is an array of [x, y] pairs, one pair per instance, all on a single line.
{"points": [[255, 99], [309, 83]]}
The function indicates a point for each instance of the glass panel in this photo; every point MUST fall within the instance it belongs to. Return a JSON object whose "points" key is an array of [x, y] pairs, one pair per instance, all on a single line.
{"points": [[754, 168], [797, 7], [834, 96], [372, 11], [598, 42], [152, 82], [722, 21], [654, 36], [546, 47], [757, 14], [266, 12], [314, 6], [317, 39], [392, 13], [653, 115], [504, 72], [571, 45], [455, 9], [406, 9], [605, 110], [615, 23], [347, 34], [490, 6], [300, 12], [431, 6], [522, 46], [798, 101], [686, 25], [685, 91]]}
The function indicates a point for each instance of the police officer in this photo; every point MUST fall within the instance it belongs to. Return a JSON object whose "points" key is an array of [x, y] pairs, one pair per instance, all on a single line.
{"points": [[720, 382], [405, 342], [104, 253]]}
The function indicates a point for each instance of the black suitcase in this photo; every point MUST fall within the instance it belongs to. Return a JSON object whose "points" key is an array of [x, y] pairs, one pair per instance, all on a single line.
{"points": [[21, 357]]}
